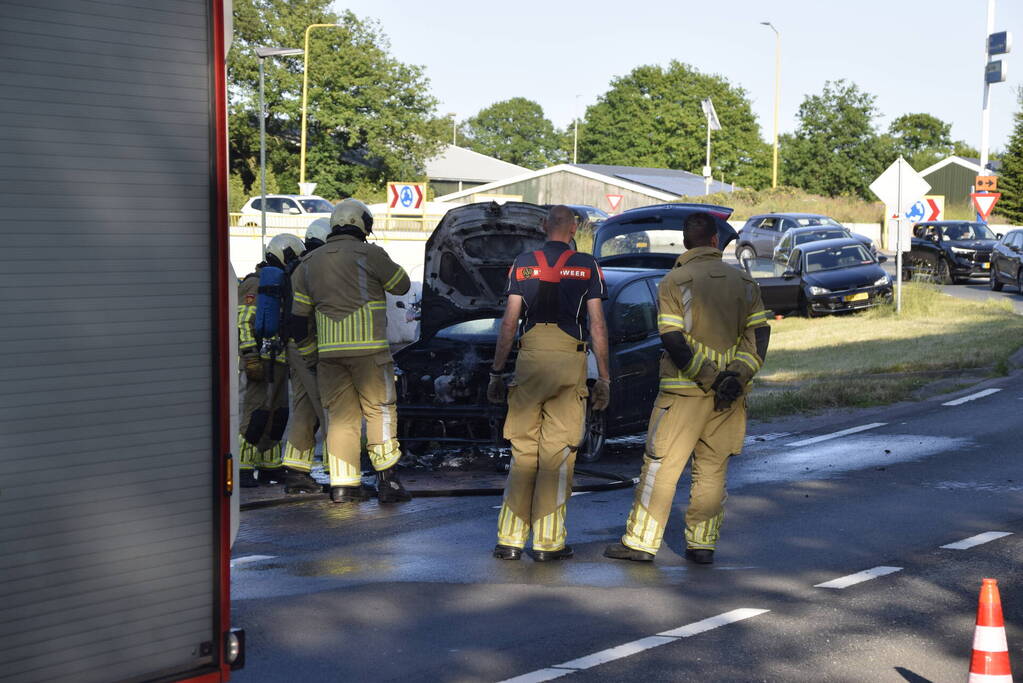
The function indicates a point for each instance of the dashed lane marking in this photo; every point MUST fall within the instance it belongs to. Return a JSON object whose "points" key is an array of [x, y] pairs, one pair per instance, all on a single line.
{"points": [[761, 438], [979, 539], [858, 577], [836, 435], [250, 558], [636, 646], [971, 397]]}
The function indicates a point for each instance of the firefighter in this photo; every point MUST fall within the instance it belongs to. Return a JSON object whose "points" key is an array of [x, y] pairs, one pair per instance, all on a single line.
{"points": [[264, 410], [715, 335], [560, 292], [342, 286], [306, 410]]}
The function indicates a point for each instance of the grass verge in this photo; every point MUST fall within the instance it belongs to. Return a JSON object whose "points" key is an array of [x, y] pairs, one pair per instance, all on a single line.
{"points": [[867, 359]]}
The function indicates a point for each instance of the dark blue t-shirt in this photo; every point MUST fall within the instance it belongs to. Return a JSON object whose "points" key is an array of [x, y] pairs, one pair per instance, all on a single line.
{"points": [[556, 290]]}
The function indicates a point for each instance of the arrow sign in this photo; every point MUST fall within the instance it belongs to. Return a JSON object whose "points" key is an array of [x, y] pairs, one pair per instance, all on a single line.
{"points": [[986, 183], [933, 210], [614, 200], [405, 197], [985, 202]]}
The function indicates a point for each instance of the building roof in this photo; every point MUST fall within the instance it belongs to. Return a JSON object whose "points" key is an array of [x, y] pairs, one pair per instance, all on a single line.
{"points": [[678, 183], [459, 163], [965, 162], [568, 168]]}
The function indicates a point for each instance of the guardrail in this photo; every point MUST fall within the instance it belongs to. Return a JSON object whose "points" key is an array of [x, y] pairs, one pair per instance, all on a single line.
{"points": [[251, 223]]}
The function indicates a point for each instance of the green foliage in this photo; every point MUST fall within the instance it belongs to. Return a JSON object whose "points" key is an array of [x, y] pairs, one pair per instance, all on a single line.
{"points": [[652, 117], [1010, 184], [921, 138], [836, 149], [371, 117], [961, 149], [236, 194], [515, 131]]}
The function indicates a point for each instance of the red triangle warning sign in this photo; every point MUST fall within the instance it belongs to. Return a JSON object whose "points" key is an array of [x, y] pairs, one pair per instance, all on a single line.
{"points": [[984, 202], [614, 200]]}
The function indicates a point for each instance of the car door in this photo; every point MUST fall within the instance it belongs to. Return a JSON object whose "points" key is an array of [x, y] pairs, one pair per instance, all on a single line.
{"points": [[780, 294], [784, 225], [636, 348], [763, 239], [1011, 255]]}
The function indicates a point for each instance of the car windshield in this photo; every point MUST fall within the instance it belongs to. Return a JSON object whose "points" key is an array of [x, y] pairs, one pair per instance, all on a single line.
{"points": [[966, 231], [471, 330], [643, 242], [316, 205], [837, 257], [806, 221], [815, 235]]}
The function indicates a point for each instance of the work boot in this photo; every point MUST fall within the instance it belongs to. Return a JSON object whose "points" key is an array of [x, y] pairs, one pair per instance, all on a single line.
{"points": [[620, 551], [389, 488], [549, 555], [269, 475], [351, 494], [296, 481], [507, 552], [247, 479], [700, 555]]}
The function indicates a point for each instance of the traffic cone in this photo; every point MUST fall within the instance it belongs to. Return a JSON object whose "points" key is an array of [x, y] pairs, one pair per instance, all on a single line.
{"points": [[990, 662]]}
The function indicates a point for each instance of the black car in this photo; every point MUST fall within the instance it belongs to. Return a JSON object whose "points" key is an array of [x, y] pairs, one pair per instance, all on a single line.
{"points": [[1007, 262], [442, 378], [796, 236], [950, 251], [762, 233]]}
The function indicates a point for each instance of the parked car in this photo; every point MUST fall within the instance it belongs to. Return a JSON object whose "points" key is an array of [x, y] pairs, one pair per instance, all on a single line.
{"points": [[1007, 262], [950, 251], [793, 237], [442, 378], [286, 210], [761, 234]]}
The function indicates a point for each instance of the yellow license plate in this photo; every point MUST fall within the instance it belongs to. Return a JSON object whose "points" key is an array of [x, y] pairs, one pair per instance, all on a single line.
{"points": [[862, 296], [985, 265]]}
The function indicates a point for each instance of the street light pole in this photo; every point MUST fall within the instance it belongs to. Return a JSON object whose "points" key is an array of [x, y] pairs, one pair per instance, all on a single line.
{"points": [[985, 117], [305, 98], [575, 136], [777, 97]]}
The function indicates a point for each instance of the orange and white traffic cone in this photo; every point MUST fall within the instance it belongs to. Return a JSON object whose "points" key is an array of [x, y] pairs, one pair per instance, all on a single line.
{"points": [[990, 661]]}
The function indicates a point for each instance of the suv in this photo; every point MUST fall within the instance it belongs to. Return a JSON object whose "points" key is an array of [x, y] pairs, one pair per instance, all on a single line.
{"points": [[762, 233], [285, 210], [1007, 262], [951, 251]]}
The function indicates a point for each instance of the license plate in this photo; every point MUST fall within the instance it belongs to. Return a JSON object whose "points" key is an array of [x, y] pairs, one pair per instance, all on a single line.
{"points": [[985, 266], [862, 296]]}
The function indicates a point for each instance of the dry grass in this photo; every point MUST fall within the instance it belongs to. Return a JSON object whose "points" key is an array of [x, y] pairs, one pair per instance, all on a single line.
{"points": [[748, 203]]}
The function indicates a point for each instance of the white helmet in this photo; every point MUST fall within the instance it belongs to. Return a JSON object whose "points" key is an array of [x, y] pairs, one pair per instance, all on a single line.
{"points": [[319, 229], [352, 212], [280, 246]]}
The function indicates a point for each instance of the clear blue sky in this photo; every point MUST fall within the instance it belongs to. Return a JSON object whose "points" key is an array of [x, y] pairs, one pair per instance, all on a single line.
{"points": [[914, 55]]}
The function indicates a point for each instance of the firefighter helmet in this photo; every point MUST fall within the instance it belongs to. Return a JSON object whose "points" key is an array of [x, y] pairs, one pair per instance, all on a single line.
{"points": [[352, 212], [285, 248], [318, 230]]}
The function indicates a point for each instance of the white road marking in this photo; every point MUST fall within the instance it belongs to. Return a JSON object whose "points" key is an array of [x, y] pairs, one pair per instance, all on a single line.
{"points": [[979, 539], [636, 646], [761, 438], [971, 397], [836, 435], [250, 558], [858, 577]]}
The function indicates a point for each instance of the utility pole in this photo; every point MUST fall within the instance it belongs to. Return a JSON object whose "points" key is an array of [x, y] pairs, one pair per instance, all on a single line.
{"points": [[777, 97], [985, 118], [575, 137]]}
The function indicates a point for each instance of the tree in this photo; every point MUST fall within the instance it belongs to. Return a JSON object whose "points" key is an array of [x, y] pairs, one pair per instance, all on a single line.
{"points": [[515, 131], [652, 117], [371, 118], [1010, 182], [921, 138], [835, 149], [961, 149]]}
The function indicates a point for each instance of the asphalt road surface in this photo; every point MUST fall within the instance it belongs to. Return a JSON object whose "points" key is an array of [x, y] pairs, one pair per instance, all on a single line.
{"points": [[831, 567]]}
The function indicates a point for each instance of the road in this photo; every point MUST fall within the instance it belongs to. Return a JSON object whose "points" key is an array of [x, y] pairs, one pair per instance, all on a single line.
{"points": [[410, 593]]}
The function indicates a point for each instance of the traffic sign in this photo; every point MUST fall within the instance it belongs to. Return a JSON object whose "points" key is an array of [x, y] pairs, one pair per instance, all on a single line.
{"points": [[712, 116], [999, 43], [986, 183], [929, 208], [900, 186], [613, 201], [405, 197], [984, 202], [995, 71]]}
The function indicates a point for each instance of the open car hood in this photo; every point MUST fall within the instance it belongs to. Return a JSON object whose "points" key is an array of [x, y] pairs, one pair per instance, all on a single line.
{"points": [[467, 260], [621, 240]]}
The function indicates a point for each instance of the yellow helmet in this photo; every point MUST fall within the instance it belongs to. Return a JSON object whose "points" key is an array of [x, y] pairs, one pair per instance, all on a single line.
{"points": [[352, 212], [285, 247]]}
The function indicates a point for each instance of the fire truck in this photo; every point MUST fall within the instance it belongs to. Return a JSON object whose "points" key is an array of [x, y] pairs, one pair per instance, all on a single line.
{"points": [[116, 470]]}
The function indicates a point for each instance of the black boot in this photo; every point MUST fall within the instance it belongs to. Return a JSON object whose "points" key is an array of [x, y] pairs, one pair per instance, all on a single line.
{"points": [[247, 479], [351, 494], [389, 488], [549, 555], [269, 475], [620, 551], [507, 552], [296, 481], [700, 555]]}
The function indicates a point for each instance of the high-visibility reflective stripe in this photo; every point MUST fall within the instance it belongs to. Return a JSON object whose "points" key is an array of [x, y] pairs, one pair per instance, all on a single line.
{"points": [[665, 320], [511, 529], [302, 298], [307, 349], [749, 359], [245, 338], [354, 346], [756, 319], [353, 332], [298, 459], [642, 531], [396, 278], [705, 534], [672, 383]]}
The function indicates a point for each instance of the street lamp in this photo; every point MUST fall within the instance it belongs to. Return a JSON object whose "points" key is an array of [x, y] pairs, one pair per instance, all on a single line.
{"points": [[263, 53], [777, 97], [575, 137], [305, 100], [454, 128]]}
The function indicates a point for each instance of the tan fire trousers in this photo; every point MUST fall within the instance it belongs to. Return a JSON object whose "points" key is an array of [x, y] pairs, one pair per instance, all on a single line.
{"points": [[353, 389], [264, 416], [680, 427], [300, 447], [546, 416]]}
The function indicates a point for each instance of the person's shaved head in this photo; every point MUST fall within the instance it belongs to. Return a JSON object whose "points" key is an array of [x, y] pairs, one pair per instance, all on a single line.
{"points": [[560, 223], [699, 230]]}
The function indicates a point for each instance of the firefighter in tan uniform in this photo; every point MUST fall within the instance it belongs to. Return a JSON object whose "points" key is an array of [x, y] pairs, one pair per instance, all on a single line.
{"points": [[264, 409], [306, 409], [342, 285], [557, 289], [714, 330]]}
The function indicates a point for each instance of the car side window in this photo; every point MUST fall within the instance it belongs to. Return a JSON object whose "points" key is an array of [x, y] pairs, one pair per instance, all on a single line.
{"points": [[273, 205], [1015, 240], [634, 313], [793, 262], [287, 205], [256, 204], [788, 223], [769, 224]]}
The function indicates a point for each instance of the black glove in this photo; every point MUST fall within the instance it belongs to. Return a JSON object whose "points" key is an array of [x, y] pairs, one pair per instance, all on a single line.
{"points": [[727, 388]]}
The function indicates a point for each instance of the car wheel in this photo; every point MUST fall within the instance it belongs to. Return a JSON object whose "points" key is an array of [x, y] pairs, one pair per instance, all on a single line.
{"points": [[250, 225], [807, 310], [943, 273], [994, 282], [745, 253], [594, 437]]}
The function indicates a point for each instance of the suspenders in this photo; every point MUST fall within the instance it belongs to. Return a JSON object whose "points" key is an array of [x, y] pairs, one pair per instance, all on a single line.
{"points": [[551, 273]]}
